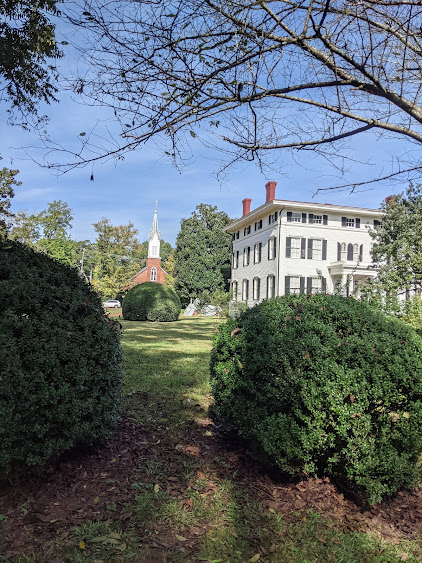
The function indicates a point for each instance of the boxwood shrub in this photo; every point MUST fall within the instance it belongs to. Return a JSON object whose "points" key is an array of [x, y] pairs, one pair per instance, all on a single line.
{"points": [[324, 385], [60, 360], [151, 301]]}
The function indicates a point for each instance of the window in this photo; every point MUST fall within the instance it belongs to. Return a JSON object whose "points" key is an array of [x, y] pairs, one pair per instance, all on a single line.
{"points": [[343, 251], [154, 251], [272, 250], [245, 290], [316, 249], [255, 288], [237, 234], [273, 218], [236, 259], [247, 231], [270, 286], [246, 255], [350, 222], [296, 217], [355, 252], [317, 219], [295, 284], [153, 276], [257, 252], [315, 285], [295, 246], [234, 290], [258, 225]]}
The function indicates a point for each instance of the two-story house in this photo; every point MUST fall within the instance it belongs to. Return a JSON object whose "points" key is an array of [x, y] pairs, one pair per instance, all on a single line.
{"points": [[286, 247]]}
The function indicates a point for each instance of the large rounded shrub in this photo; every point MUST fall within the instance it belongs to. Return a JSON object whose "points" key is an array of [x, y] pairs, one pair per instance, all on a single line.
{"points": [[324, 385], [151, 301], [60, 360]]}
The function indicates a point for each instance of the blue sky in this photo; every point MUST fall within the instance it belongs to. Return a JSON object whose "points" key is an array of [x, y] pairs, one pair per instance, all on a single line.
{"points": [[126, 191]]}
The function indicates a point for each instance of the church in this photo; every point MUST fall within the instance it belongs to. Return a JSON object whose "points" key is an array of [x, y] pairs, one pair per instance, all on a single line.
{"points": [[152, 272]]}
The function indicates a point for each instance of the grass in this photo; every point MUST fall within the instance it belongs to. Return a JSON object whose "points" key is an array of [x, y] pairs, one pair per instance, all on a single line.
{"points": [[186, 509]]}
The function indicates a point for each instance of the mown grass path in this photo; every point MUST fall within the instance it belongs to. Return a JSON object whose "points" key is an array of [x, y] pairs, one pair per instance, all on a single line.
{"points": [[170, 487]]}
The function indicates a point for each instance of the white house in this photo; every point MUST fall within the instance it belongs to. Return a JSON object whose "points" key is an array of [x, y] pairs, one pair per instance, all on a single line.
{"points": [[286, 247]]}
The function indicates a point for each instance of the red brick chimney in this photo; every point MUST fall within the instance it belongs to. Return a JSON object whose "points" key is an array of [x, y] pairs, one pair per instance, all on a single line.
{"points": [[389, 199], [246, 206], [270, 187]]}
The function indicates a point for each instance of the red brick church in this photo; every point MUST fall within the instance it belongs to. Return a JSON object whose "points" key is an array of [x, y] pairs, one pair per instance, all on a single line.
{"points": [[153, 272]]}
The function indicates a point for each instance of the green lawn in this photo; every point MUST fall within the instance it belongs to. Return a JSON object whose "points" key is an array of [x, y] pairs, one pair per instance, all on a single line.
{"points": [[189, 501]]}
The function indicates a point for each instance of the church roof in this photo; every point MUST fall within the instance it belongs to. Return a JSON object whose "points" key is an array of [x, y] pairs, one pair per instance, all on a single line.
{"points": [[154, 229]]}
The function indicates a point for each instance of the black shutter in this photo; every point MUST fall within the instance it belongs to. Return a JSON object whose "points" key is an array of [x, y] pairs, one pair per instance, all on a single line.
{"points": [[304, 218], [303, 248], [247, 290], [376, 223], [269, 220], [287, 285], [311, 218], [302, 285], [275, 247], [324, 249], [275, 216], [350, 251], [338, 252], [288, 247], [289, 216], [259, 287], [361, 253], [310, 246], [323, 285], [357, 223], [343, 221], [325, 219], [308, 286]]}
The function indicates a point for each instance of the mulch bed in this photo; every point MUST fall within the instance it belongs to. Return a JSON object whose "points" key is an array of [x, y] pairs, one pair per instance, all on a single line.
{"points": [[85, 487]]}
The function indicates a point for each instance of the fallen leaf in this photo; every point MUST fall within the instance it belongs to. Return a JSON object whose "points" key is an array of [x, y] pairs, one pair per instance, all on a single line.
{"points": [[156, 488], [96, 500], [181, 538], [201, 475], [272, 548], [81, 545], [255, 558], [404, 556]]}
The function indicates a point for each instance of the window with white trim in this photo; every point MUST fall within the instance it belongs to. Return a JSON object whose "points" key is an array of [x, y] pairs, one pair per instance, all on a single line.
{"points": [[316, 249], [270, 286], [257, 252], [247, 231], [234, 290], [153, 276], [356, 252], [245, 290], [343, 252], [235, 259], [296, 217], [246, 255], [316, 285], [350, 222], [256, 282], [317, 219], [295, 246], [295, 284], [272, 248]]}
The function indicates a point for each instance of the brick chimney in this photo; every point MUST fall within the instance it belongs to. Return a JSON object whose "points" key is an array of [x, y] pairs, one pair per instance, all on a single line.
{"points": [[270, 187], [246, 206], [389, 199]]}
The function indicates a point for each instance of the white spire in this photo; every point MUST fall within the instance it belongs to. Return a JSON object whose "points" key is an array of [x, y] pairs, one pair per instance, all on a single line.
{"points": [[154, 237]]}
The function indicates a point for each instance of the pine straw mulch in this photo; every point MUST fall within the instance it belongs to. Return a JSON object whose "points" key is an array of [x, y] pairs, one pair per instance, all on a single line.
{"points": [[99, 485]]}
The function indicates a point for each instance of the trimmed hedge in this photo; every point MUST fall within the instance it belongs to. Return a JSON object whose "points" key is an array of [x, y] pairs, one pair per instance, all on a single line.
{"points": [[324, 385], [151, 301], [60, 360]]}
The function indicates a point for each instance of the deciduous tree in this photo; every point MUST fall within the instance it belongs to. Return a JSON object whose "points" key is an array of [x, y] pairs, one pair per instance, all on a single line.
{"points": [[256, 77], [7, 181]]}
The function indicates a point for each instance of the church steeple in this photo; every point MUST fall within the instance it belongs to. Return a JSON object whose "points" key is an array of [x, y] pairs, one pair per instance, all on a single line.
{"points": [[154, 237]]}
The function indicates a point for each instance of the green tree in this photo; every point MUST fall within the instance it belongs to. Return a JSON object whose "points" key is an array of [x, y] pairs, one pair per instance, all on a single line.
{"points": [[169, 268], [203, 252], [27, 45], [398, 241], [116, 255], [7, 181], [48, 232]]}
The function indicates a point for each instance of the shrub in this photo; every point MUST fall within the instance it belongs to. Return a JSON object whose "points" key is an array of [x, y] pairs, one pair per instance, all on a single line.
{"points": [[151, 301], [324, 385], [60, 361]]}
